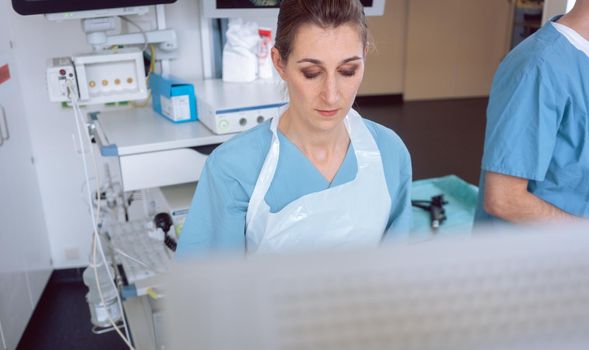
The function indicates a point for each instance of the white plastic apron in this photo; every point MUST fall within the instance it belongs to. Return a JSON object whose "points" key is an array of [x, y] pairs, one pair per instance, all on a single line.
{"points": [[353, 214]]}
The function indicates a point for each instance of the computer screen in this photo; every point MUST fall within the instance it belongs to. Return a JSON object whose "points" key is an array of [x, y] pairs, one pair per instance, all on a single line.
{"points": [[34, 7], [267, 8], [516, 290]]}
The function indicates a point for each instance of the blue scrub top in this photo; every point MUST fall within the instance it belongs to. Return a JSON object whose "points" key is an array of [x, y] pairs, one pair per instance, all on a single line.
{"points": [[537, 122], [216, 220]]}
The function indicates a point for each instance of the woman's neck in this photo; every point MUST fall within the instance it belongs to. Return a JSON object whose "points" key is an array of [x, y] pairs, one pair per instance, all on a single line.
{"points": [[326, 149]]}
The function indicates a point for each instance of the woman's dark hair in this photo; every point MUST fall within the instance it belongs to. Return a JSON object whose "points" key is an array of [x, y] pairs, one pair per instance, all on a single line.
{"points": [[322, 13]]}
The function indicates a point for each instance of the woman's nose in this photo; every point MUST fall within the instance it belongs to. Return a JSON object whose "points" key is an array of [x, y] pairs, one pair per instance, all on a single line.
{"points": [[330, 91]]}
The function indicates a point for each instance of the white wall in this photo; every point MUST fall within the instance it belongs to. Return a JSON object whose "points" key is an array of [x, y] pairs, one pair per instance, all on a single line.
{"points": [[59, 168], [184, 16]]}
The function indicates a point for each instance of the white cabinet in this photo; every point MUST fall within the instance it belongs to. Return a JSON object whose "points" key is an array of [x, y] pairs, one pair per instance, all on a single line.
{"points": [[152, 151], [25, 263]]}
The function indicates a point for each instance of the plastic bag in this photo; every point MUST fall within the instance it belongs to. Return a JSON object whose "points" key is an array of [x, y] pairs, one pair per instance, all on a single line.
{"points": [[240, 57]]}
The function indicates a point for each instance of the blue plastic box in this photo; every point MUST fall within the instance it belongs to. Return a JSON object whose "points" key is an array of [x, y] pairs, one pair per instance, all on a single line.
{"points": [[173, 98]]}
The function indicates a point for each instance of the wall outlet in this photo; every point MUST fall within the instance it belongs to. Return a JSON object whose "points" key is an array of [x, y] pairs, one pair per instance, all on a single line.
{"points": [[72, 253]]}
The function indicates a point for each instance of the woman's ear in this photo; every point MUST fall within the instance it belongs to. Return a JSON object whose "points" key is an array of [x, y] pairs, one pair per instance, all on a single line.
{"points": [[278, 63]]}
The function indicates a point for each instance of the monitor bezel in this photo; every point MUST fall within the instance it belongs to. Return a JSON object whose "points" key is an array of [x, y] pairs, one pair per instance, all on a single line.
{"points": [[36, 7], [210, 10]]}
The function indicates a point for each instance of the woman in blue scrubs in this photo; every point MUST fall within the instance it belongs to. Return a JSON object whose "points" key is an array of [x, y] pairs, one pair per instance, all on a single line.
{"points": [[319, 176]]}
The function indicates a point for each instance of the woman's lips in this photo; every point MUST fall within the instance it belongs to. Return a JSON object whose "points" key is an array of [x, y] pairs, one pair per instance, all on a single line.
{"points": [[328, 112]]}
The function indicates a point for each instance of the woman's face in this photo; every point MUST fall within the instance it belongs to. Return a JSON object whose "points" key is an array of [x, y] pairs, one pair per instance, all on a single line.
{"points": [[323, 74]]}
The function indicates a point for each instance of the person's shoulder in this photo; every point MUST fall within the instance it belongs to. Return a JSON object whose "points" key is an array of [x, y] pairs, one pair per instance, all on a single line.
{"points": [[383, 135], [388, 141], [242, 152], [535, 54]]}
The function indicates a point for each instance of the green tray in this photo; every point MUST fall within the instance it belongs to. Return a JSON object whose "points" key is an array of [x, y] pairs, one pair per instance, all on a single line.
{"points": [[462, 201]]}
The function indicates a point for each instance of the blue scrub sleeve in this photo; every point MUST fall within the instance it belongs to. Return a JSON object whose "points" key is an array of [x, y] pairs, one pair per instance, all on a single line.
{"points": [[216, 220], [522, 124]]}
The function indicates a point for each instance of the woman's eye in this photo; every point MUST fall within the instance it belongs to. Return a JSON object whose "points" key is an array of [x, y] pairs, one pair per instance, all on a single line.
{"points": [[311, 75], [348, 73]]}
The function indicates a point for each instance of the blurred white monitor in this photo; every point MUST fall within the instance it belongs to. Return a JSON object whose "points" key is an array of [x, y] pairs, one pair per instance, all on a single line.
{"points": [[267, 8], [508, 291]]}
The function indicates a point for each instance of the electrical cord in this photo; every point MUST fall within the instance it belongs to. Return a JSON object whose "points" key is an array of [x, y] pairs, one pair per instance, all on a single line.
{"points": [[95, 238], [78, 117], [83, 194], [146, 44], [134, 24], [2, 337], [120, 251], [96, 243], [149, 72], [151, 61]]}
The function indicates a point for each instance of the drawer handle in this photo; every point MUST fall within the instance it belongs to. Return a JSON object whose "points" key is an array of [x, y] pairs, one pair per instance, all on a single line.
{"points": [[4, 135]]}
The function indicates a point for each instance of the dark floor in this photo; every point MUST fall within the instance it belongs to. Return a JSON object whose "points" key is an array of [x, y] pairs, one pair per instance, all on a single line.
{"points": [[444, 137], [62, 318]]}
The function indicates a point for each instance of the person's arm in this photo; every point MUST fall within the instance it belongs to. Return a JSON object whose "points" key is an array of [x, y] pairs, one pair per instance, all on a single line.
{"points": [[216, 219], [507, 198]]}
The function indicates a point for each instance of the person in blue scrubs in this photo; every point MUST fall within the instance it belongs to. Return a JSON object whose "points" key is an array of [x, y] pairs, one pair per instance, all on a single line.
{"points": [[319, 176], [535, 165]]}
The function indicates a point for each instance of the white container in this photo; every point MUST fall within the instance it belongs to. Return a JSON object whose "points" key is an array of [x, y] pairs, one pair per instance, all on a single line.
{"points": [[265, 67], [99, 310]]}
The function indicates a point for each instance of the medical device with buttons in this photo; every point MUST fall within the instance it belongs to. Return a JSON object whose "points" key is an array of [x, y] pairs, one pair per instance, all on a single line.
{"points": [[232, 107], [108, 76]]}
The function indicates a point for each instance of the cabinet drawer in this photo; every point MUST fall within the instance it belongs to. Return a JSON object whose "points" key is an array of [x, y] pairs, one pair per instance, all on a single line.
{"points": [[163, 168]]}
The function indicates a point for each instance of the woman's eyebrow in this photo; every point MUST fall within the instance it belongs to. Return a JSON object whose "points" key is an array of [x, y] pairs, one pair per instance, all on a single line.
{"points": [[310, 60], [351, 59], [319, 62]]}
